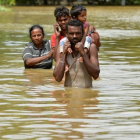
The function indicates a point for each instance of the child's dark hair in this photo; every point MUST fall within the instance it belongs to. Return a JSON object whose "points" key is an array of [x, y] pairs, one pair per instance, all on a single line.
{"points": [[34, 27], [61, 11], [76, 10], [75, 23]]}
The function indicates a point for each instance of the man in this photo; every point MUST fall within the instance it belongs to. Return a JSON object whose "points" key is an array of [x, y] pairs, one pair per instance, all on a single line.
{"points": [[79, 74]]}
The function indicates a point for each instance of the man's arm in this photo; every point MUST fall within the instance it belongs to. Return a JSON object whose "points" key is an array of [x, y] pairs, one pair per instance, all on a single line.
{"points": [[59, 69], [91, 64]]}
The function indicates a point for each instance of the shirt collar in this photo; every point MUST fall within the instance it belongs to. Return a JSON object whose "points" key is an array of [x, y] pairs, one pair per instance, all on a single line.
{"points": [[43, 45]]}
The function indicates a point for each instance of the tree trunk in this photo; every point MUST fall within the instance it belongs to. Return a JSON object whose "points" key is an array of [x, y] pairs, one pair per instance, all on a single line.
{"points": [[45, 2], [93, 2], [123, 2]]}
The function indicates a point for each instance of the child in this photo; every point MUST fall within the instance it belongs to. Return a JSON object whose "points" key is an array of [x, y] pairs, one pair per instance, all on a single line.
{"points": [[79, 12]]}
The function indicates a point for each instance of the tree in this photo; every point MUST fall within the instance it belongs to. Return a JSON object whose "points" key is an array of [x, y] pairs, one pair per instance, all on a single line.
{"points": [[45, 2], [122, 2]]}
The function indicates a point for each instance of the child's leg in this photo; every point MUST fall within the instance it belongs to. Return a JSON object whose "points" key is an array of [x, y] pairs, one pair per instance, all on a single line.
{"points": [[87, 42], [94, 36], [66, 67], [61, 44], [86, 47]]}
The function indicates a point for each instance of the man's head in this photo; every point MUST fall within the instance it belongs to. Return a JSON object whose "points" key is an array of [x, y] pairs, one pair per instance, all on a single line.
{"points": [[62, 16], [74, 31]]}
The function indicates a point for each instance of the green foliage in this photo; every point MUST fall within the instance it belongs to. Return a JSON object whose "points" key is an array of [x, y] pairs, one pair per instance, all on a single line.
{"points": [[57, 2], [2, 8], [137, 2], [7, 2]]}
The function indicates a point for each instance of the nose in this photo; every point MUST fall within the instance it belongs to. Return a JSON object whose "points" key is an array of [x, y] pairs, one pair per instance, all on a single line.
{"points": [[85, 17], [74, 35], [36, 37], [63, 21]]}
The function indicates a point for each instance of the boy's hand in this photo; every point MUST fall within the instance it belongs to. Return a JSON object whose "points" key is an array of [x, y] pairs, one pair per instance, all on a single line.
{"points": [[56, 29]]}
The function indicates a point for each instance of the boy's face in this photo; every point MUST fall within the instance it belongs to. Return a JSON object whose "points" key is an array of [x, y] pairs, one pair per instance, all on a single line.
{"points": [[74, 34], [62, 21]]}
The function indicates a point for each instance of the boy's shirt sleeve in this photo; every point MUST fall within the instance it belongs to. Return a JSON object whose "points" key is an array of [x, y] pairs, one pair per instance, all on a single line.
{"points": [[53, 38]]}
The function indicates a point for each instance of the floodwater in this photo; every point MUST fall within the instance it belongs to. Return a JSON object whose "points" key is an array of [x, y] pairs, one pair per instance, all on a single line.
{"points": [[33, 106]]}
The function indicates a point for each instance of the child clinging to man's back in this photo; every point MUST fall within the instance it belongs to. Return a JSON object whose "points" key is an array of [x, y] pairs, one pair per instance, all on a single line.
{"points": [[79, 12]]}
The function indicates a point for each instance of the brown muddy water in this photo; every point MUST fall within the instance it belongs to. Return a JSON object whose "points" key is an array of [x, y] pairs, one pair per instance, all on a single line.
{"points": [[33, 106]]}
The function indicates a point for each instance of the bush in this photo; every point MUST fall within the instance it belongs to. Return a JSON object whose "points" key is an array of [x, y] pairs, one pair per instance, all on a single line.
{"points": [[7, 2]]}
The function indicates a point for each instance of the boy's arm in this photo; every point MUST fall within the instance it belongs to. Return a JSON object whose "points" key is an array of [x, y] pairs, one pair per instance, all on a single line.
{"points": [[56, 39]]}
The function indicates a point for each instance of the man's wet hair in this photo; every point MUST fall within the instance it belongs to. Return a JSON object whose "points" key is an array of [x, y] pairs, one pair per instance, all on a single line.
{"points": [[76, 10], [35, 27], [61, 11], [75, 23]]}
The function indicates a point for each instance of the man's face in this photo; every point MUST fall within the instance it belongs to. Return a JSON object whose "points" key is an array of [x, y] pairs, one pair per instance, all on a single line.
{"points": [[62, 21], [74, 34]]}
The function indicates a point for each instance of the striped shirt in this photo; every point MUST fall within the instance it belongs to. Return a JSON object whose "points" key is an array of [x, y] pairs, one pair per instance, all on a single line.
{"points": [[31, 51]]}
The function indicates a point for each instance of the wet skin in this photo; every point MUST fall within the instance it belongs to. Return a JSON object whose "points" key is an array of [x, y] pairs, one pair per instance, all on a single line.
{"points": [[62, 21], [82, 17], [74, 34], [37, 37]]}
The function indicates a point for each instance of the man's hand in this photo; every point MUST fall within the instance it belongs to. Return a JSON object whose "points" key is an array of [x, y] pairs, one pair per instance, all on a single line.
{"points": [[56, 29], [79, 47], [67, 47]]}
